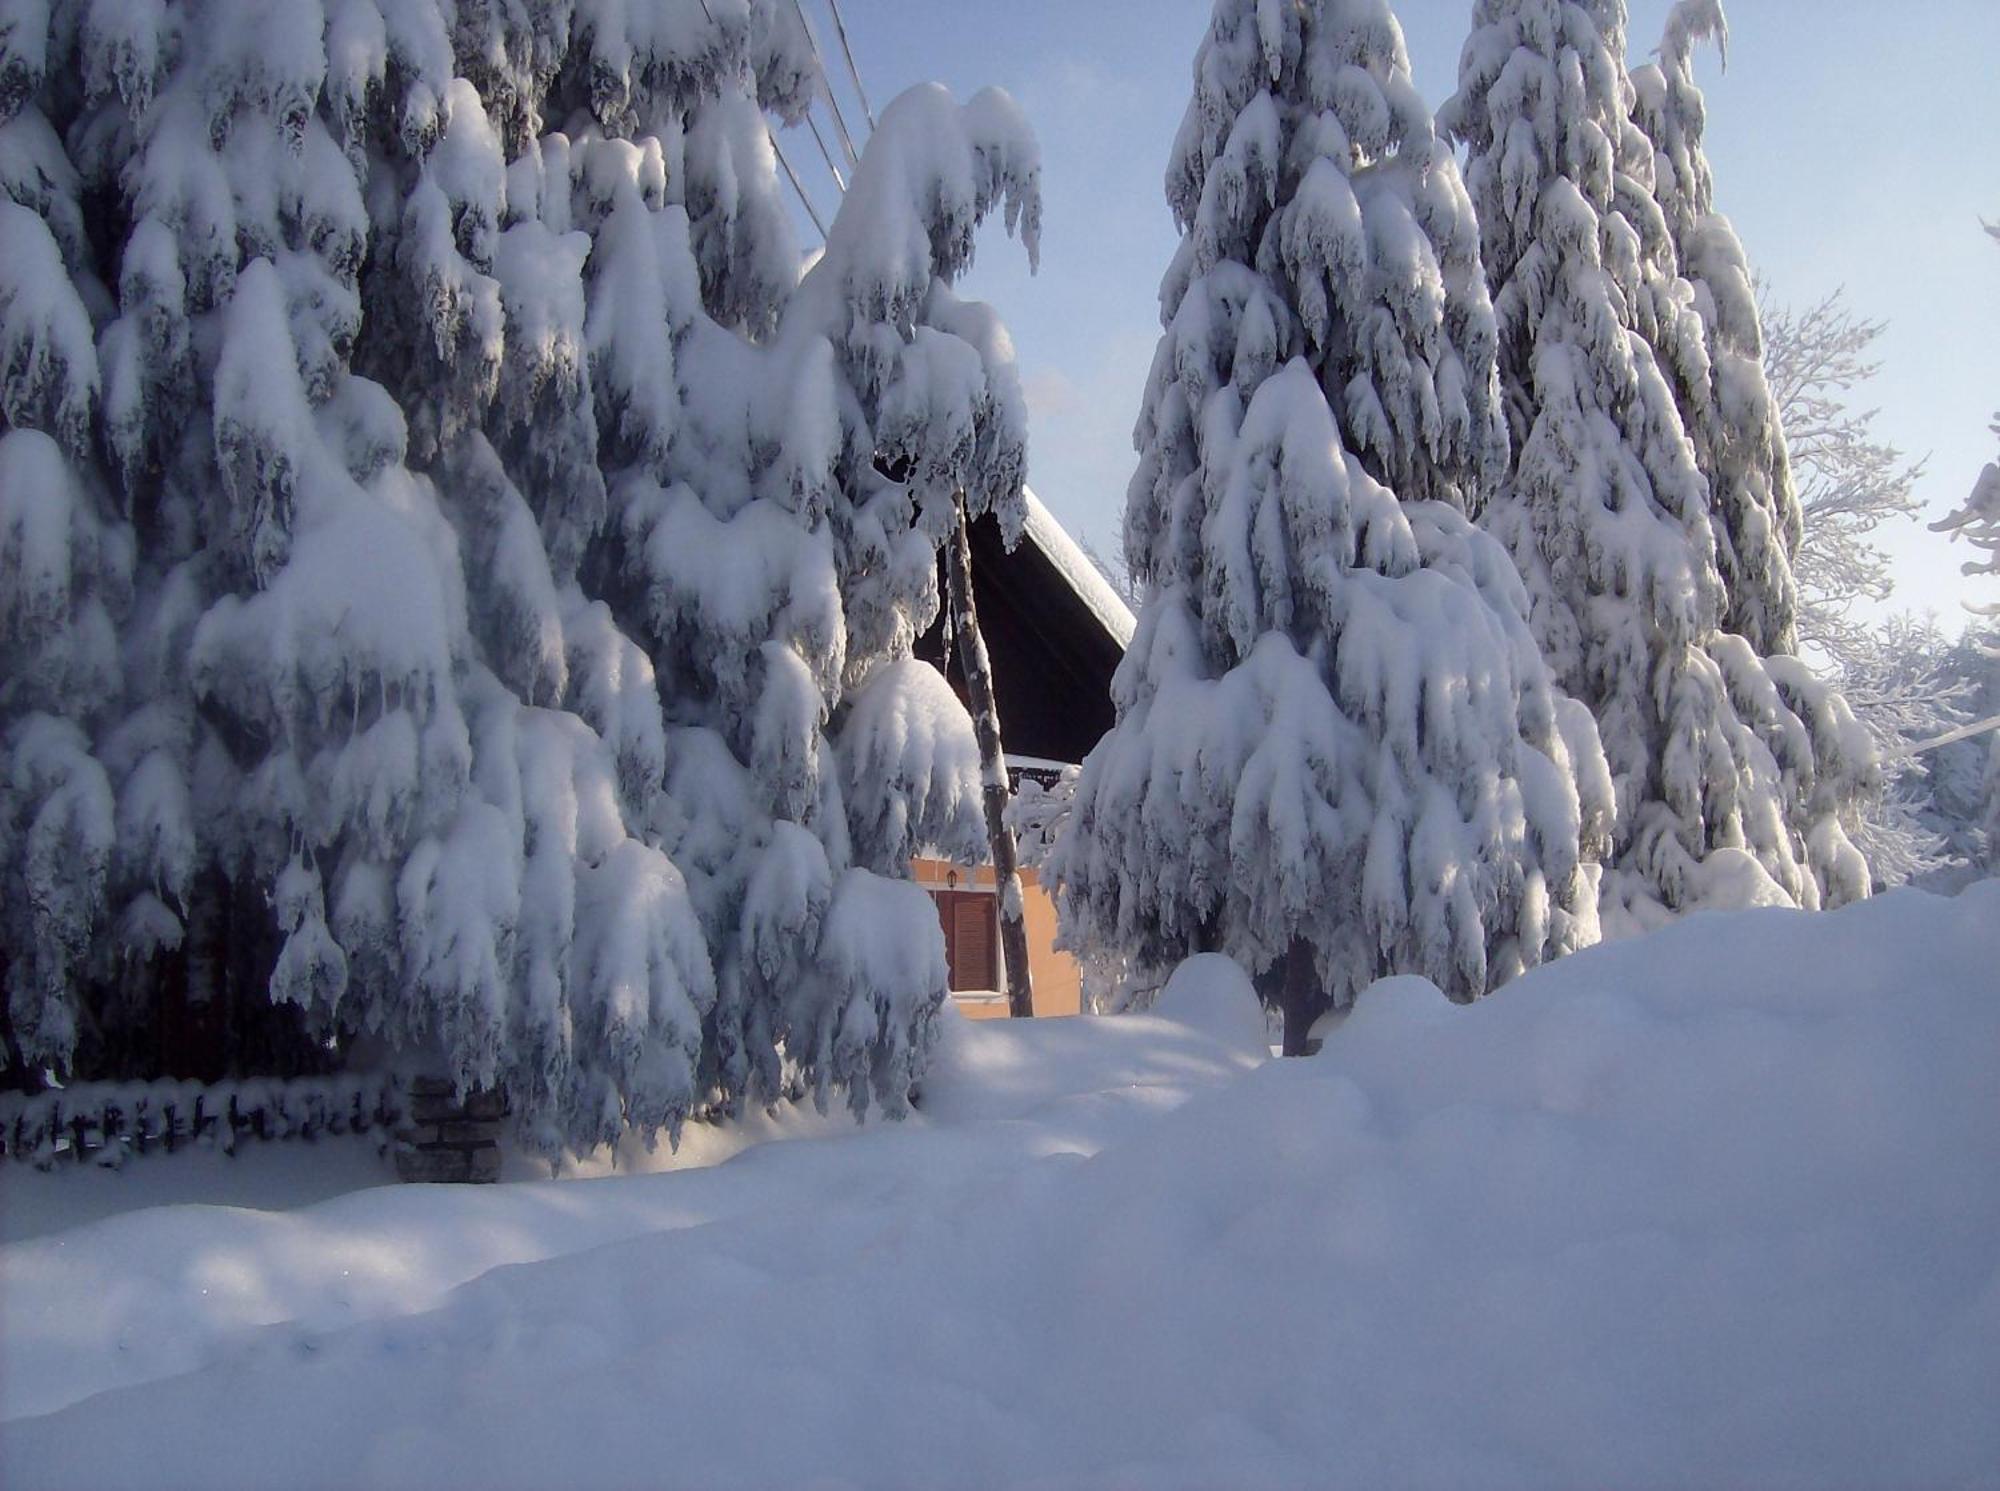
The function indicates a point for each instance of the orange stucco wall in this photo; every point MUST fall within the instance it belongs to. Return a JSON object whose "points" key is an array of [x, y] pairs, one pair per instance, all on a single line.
{"points": [[1058, 982]]}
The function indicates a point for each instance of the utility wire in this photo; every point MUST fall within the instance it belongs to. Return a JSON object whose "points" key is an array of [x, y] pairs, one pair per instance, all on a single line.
{"points": [[804, 200], [840, 26], [826, 154], [826, 85], [779, 149]]}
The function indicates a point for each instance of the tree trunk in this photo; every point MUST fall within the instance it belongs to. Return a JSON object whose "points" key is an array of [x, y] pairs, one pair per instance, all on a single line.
{"points": [[978, 670], [1301, 998], [17, 1075]]}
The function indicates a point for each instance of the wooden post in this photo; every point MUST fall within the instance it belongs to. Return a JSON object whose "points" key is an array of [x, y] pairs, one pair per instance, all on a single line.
{"points": [[978, 671]]}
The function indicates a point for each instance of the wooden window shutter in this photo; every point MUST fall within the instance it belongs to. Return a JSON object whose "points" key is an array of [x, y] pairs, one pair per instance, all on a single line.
{"points": [[972, 942]]}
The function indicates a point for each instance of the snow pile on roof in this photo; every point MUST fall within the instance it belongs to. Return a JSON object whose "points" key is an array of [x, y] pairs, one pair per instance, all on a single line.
{"points": [[1066, 554], [1718, 1206]]}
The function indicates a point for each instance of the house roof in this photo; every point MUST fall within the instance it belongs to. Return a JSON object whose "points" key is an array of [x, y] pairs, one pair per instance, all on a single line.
{"points": [[1079, 571], [1055, 630]]}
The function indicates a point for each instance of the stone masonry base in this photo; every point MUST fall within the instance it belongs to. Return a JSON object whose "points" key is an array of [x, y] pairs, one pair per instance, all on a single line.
{"points": [[444, 1139]]}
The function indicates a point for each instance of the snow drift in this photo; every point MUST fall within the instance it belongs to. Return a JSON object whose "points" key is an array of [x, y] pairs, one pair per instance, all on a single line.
{"points": [[1717, 1206]]}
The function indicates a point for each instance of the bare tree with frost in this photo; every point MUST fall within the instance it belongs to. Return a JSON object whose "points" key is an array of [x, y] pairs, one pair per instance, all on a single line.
{"points": [[1850, 482], [1338, 754], [1723, 796], [1977, 522], [1895, 675], [351, 350], [1909, 683]]}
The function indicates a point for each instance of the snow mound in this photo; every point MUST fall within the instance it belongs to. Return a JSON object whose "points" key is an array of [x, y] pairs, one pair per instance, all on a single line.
{"points": [[1212, 994], [1018, 1069], [1719, 1206]]}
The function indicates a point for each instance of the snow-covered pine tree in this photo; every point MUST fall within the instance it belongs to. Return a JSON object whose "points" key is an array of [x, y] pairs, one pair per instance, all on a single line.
{"points": [[320, 795], [1733, 419], [1728, 408], [66, 575], [1606, 507], [344, 343], [1338, 754], [781, 560]]}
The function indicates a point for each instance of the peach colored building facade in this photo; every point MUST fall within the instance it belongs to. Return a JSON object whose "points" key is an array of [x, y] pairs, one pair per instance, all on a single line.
{"points": [[969, 911]]}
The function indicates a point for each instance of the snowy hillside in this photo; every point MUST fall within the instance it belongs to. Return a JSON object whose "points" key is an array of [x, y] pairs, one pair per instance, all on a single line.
{"points": [[1720, 1206]]}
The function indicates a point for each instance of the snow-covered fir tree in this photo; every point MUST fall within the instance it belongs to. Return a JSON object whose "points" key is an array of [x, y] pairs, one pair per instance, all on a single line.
{"points": [[1733, 419], [1338, 754], [356, 356], [781, 561], [1728, 407], [1733, 765]]}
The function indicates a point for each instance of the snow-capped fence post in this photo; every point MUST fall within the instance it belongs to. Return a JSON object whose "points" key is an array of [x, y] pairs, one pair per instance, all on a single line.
{"points": [[101, 1122], [992, 764]]}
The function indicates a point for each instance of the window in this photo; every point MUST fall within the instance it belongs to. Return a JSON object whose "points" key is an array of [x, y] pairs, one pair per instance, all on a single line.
{"points": [[971, 923]]}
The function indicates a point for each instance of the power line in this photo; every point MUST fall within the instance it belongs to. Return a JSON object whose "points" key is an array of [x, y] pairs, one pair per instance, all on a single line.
{"points": [[804, 200], [826, 154], [826, 85], [840, 26], [779, 150]]}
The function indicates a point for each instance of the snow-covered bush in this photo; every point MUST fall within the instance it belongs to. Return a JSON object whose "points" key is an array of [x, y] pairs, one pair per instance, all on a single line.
{"points": [[445, 584], [1719, 743], [1338, 753]]}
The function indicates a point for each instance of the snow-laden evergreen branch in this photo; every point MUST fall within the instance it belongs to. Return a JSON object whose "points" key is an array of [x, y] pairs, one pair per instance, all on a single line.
{"points": [[447, 582]]}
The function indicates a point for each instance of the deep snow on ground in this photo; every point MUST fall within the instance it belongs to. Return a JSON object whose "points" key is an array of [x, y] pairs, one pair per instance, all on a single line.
{"points": [[1717, 1206]]}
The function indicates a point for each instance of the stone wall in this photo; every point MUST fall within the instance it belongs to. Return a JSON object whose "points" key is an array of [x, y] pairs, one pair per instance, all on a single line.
{"points": [[448, 1139]]}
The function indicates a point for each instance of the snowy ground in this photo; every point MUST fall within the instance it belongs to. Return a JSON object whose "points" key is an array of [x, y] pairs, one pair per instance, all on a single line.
{"points": [[1719, 1207]]}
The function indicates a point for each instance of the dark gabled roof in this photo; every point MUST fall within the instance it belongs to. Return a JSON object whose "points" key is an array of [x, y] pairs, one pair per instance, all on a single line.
{"points": [[1055, 631]]}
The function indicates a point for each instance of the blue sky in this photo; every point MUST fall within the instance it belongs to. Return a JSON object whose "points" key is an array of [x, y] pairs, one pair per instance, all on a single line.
{"points": [[1854, 144]]}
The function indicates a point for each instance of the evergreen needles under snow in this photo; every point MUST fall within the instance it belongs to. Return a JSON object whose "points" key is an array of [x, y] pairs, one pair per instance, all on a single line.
{"points": [[448, 583], [1338, 753], [1733, 766]]}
